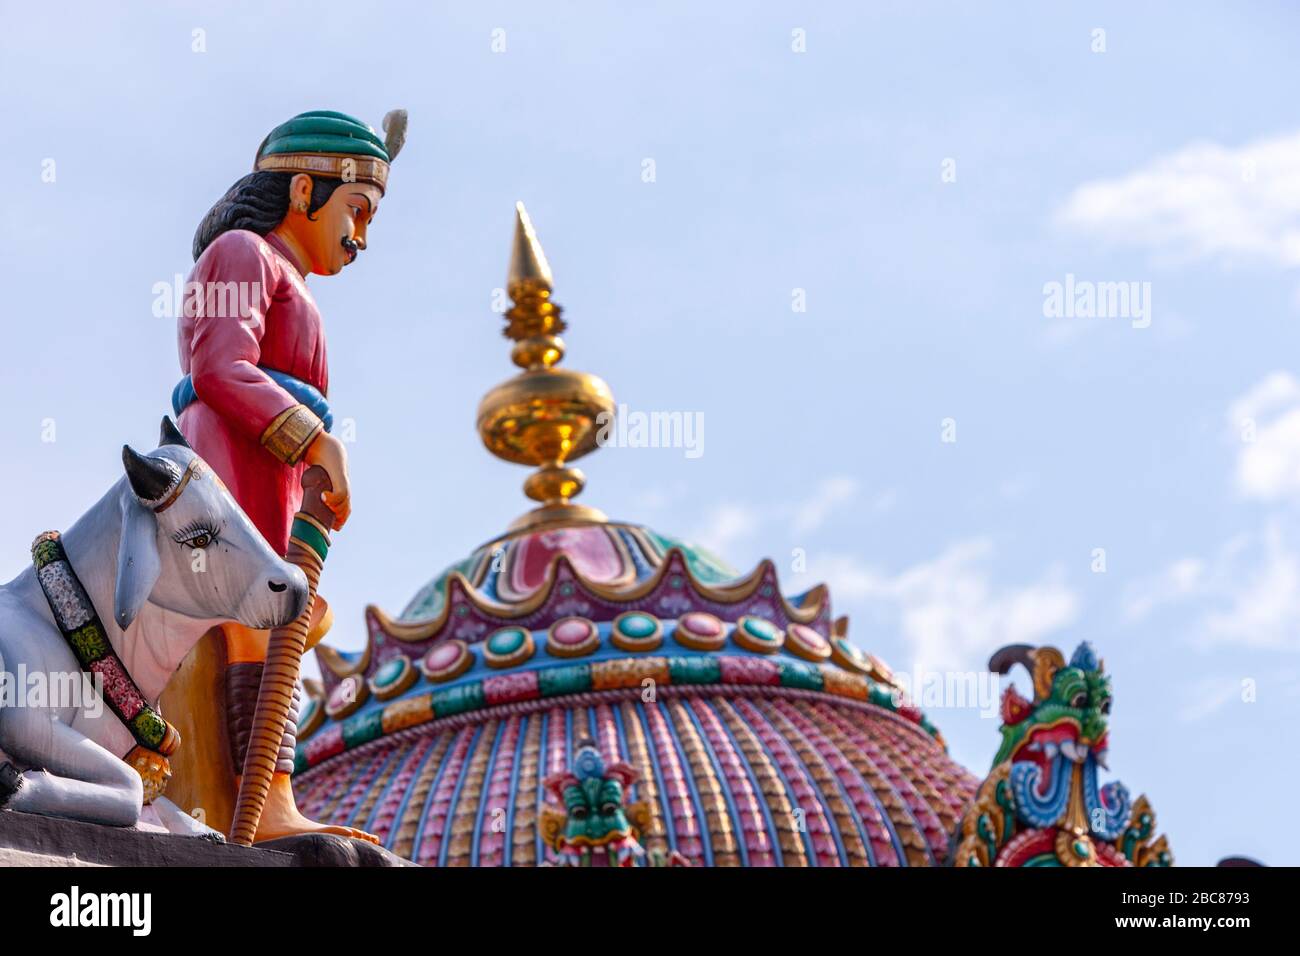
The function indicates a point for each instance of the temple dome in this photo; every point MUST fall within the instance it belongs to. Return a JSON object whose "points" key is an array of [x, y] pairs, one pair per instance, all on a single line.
{"points": [[744, 725], [767, 738]]}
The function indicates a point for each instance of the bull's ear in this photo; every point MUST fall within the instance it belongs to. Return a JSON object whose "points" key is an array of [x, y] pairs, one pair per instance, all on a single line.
{"points": [[138, 564]]}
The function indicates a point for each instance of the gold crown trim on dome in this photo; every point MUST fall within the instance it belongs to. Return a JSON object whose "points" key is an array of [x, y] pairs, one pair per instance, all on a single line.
{"points": [[544, 416], [415, 632], [740, 590]]}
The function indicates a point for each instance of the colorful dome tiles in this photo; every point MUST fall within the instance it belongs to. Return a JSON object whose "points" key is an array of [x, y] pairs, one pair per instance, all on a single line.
{"points": [[394, 676], [759, 705], [508, 647], [879, 669], [446, 661], [802, 641], [849, 656], [756, 634], [572, 637], [636, 631], [700, 631], [310, 717], [724, 776]]}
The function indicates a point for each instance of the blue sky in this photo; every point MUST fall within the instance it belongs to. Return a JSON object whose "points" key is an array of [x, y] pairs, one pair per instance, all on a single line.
{"points": [[1172, 158]]}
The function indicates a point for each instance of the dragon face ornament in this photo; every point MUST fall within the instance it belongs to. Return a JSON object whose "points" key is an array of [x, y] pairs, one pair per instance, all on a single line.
{"points": [[1042, 804]]}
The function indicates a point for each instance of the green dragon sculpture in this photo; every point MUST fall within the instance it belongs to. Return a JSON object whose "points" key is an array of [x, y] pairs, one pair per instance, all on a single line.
{"points": [[595, 826], [1041, 804]]}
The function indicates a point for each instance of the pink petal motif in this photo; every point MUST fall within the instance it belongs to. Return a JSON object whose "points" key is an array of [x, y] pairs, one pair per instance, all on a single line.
{"points": [[590, 550], [118, 688]]}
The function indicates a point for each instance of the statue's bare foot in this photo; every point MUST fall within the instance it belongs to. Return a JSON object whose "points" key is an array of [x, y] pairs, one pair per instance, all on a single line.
{"points": [[280, 817]]}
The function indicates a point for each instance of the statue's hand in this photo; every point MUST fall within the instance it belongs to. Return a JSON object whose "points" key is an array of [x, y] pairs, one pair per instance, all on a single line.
{"points": [[328, 452]]}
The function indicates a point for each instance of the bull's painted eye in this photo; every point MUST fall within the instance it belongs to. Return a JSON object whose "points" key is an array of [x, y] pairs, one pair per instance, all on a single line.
{"points": [[1105, 706], [196, 536], [609, 809], [579, 813], [1079, 700]]}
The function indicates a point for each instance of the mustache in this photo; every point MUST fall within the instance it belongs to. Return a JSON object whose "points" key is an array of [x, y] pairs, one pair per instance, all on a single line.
{"points": [[350, 247]]}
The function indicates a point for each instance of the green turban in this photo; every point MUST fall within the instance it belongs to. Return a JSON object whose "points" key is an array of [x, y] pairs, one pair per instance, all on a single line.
{"points": [[327, 143]]}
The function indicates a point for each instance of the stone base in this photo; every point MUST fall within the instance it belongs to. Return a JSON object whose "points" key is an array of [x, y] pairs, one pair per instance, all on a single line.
{"points": [[326, 849], [32, 840]]}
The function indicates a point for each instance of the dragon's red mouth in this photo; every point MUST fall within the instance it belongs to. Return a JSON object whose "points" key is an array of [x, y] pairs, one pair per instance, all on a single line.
{"points": [[1062, 738]]}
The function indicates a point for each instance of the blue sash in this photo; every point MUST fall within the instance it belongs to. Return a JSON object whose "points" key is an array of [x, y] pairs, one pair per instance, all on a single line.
{"points": [[183, 395]]}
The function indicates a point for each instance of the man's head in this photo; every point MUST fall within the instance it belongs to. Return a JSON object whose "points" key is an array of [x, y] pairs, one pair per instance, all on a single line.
{"points": [[317, 179], [332, 234]]}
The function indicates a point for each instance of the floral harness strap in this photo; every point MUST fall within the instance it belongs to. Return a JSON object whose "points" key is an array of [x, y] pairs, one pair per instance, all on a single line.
{"points": [[78, 621]]}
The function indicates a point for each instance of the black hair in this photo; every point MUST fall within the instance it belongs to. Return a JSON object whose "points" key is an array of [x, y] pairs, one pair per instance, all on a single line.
{"points": [[258, 202]]}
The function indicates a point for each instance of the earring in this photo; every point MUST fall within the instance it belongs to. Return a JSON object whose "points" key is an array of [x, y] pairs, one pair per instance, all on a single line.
{"points": [[299, 205]]}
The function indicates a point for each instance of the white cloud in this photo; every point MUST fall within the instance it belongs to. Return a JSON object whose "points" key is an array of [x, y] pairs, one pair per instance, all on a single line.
{"points": [[1207, 697], [1249, 594], [812, 513], [727, 524], [1205, 201], [736, 521], [947, 609], [1180, 580], [1266, 421], [1263, 604]]}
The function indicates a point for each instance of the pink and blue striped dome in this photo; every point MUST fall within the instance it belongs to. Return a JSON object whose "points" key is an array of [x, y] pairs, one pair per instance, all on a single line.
{"points": [[760, 734]]}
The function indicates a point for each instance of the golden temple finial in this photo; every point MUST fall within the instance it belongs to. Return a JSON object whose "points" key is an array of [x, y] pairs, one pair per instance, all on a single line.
{"points": [[544, 416], [528, 265]]}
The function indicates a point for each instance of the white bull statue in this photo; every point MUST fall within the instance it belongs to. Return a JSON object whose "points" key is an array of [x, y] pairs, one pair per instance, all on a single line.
{"points": [[163, 557]]}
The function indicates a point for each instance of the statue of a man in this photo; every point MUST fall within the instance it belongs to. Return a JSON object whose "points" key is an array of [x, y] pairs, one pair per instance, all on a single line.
{"points": [[253, 404]]}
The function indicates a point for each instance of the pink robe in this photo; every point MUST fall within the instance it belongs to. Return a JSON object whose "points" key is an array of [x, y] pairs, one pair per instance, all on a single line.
{"points": [[280, 329]]}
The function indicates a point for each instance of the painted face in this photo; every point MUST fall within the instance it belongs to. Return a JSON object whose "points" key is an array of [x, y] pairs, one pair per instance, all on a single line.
{"points": [[334, 235], [204, 558], [596, 816], [1072, 719]]}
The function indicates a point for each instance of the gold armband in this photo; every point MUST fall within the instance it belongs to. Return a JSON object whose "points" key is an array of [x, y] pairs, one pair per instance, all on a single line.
{"points": [[291, 434]]}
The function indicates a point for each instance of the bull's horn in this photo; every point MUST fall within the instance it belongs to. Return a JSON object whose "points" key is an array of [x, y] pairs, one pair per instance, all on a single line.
{"points": [[150, 478], [169, 434]]}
